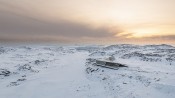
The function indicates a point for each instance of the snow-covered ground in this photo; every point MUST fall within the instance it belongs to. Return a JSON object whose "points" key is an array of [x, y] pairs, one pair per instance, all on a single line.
{"points": [[41, 71]]}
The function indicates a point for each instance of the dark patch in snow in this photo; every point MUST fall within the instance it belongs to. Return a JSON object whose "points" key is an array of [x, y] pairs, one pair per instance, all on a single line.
{"points": [[26, 67], [98, 53], [4, 72], [13, 84]]}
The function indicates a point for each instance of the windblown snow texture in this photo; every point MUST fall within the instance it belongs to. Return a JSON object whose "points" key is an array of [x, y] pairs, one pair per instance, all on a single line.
{"points": [[51, 71]]}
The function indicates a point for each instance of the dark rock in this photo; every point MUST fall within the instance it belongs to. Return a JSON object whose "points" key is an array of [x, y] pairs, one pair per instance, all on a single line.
{"points": [[25, 67], [14, 84], [4, 72], [21, 79]]}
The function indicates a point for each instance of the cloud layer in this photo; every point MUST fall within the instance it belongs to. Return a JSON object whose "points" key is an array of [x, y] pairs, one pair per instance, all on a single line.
{"points": [[87, 21], [14, 26]]}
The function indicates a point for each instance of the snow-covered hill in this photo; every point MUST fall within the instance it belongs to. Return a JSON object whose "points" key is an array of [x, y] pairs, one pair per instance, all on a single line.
{"points": [[41, 71]]}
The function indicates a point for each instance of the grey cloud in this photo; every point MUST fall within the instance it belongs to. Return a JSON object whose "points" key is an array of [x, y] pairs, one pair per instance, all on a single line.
{"points": [[14, 25], [165, 37]]}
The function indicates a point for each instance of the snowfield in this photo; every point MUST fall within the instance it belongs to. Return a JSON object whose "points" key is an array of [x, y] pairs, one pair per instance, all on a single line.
{"points": [[41, 71]]}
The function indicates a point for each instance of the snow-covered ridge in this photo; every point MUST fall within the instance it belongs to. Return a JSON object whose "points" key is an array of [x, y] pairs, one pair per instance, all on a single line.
{"points": [[53, 71]]}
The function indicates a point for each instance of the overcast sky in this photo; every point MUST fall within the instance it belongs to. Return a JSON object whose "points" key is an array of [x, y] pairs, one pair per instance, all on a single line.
{"points": [[115, 21]]}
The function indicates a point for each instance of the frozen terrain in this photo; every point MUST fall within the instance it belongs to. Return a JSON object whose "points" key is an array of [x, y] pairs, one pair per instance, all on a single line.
{"points": [[41, 71]]}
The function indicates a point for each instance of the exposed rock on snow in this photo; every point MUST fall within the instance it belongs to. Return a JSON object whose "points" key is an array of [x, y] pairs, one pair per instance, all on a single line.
{"points": [[4, 72], [42, 71], [26, 67]]}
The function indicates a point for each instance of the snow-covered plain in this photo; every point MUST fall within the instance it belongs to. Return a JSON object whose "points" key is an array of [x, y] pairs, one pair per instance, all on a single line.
{"points": [[54, 71]]}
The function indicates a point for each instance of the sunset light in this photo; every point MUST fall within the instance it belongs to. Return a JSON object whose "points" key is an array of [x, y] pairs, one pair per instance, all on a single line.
{"points": [[58, 20]]}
